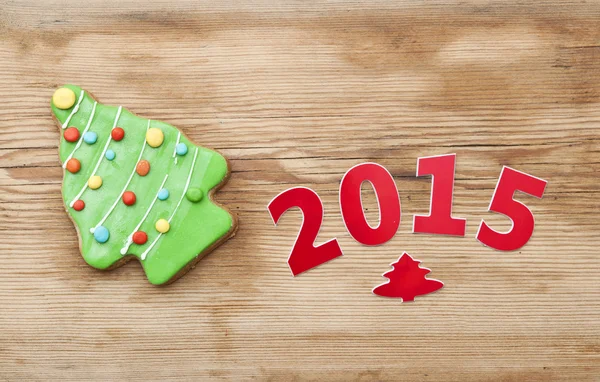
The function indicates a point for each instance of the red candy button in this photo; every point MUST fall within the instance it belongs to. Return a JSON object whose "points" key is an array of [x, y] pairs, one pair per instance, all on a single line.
{"points": [[78, 205], [140, 237], [117, 133], [71, 134], [128, 198]]}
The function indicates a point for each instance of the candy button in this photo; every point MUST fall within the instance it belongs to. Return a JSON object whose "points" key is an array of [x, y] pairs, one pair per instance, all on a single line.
{"points": [[117, 133], [128, 198], [110, 155], [101, 234], [143, 167], [71, 134], [140, 237], [78, 205], [194, 195], [63, 98], [73, 165], [181, 149], [90, 137], [95, 182], [155, 137], [163, 194], [162, 226]]}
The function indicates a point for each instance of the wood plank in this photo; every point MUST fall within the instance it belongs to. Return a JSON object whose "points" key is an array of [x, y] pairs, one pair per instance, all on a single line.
{"points": [[294, 94]]}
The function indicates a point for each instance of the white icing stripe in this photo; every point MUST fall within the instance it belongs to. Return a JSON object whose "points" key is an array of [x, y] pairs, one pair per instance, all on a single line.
{"points": [[187, 184], [75, 109], [175, 148], [130, 237], [150, 247], [126, 184], [99, 160], [82, 134]]}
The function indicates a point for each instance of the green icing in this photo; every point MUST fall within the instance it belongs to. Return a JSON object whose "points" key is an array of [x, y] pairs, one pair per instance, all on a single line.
{"points": [[195, 226]]}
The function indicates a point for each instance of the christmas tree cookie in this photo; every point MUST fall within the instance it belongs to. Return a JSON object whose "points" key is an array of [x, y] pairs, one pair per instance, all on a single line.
{"points": [[138, 188]]}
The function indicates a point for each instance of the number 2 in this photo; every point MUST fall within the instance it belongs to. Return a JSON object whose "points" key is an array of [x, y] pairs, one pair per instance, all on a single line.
{"points": [[305, 255], [502, 202]]}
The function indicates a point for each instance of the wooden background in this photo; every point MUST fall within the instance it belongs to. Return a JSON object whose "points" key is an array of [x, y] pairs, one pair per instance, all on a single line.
{"points": [[295, 93]]}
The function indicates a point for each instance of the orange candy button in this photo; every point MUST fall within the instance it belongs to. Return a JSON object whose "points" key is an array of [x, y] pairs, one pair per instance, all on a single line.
{"points": [[73, 166], [143, 168]]}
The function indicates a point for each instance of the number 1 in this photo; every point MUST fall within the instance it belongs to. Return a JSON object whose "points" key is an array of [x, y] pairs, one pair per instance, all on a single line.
{"points": [[440, 220]]}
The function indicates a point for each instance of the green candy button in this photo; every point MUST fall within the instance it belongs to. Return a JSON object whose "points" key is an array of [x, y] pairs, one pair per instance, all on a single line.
{"points": [[194, 195]]}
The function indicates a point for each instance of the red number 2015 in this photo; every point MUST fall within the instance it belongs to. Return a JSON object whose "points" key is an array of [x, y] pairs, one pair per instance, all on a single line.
{"points": [[305, 255]]}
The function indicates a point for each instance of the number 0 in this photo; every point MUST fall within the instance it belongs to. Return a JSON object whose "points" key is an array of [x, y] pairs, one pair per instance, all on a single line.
{"points": [[387, 198]]}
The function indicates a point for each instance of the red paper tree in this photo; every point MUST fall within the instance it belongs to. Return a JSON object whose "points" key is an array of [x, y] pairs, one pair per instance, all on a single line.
{"points": [[407, 280]]}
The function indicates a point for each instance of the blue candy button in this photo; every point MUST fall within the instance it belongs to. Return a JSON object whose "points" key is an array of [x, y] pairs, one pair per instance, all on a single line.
{"points": [[90, 137], [110, 155], [181, 149], [163, 194], [101, 234]]}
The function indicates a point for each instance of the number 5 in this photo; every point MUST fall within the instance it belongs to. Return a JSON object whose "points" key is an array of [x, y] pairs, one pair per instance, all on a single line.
{"points": [[502, 202]]}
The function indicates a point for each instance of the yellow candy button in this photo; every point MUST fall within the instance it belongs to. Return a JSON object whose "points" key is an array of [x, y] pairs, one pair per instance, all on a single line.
{"points": [[63, 98], [95, 182], [162, 226], [155, 137]]}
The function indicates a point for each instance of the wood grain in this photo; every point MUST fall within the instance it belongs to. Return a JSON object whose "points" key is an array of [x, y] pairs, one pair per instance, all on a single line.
{"points": [[294, 94]]}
